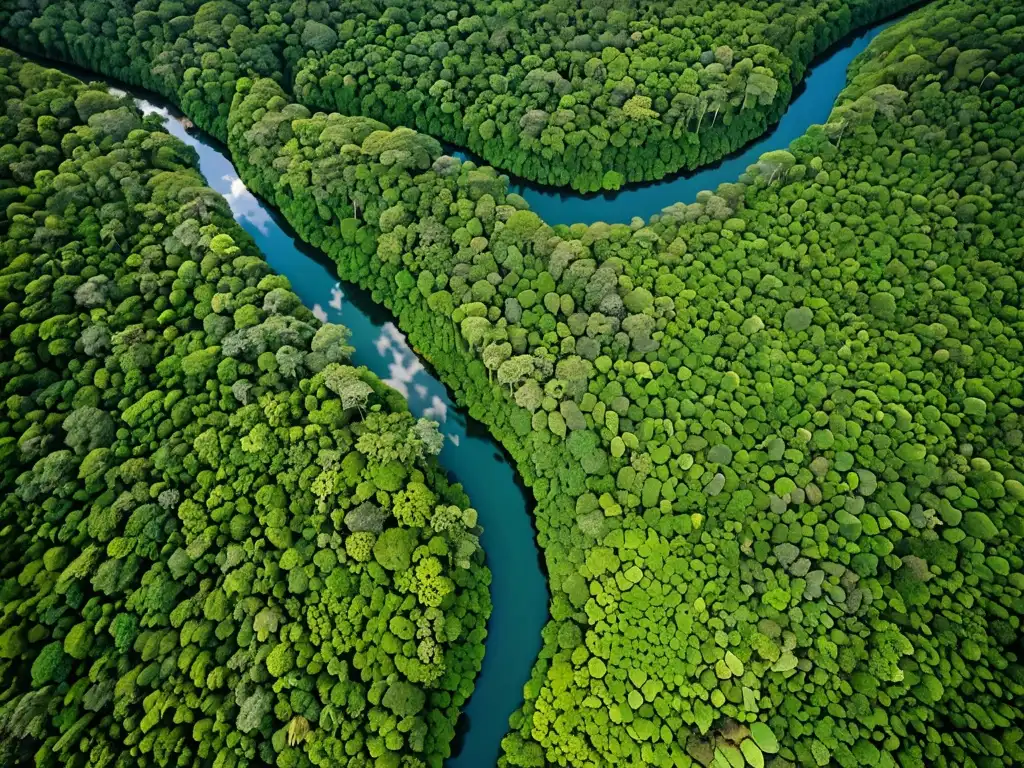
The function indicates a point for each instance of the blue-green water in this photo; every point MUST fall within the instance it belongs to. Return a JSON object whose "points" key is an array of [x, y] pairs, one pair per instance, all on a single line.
{"points": [[471, 456], [811, 105]]}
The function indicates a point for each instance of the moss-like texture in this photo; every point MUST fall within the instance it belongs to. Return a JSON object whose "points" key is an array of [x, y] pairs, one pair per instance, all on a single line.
{"points": [[220, 544]]}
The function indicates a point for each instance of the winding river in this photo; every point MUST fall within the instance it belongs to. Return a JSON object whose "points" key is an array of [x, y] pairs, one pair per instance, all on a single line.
{"points": [[811, 104], [471, 456]]}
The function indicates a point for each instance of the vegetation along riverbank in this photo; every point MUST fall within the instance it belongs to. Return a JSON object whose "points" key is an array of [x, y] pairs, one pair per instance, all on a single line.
{"points": [[217, 534], [585, 96], [774, 435]]}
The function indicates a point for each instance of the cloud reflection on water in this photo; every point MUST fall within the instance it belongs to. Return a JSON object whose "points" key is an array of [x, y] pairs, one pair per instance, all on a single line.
{"points": [[406, 372], [244, 204]]}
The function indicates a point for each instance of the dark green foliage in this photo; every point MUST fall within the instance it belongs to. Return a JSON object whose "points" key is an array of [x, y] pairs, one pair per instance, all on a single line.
{"points": [[589, 95], [574, 95], [185, 462], [842, 585]]}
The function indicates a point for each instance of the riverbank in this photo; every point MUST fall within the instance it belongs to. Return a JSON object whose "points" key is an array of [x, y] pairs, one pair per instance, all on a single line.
{"points": [[470, 455], [519, 590], [812, 103]]}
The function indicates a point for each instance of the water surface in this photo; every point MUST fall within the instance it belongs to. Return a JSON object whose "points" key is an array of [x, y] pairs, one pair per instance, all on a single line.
{"points": [[811, 104], [470, 455]]}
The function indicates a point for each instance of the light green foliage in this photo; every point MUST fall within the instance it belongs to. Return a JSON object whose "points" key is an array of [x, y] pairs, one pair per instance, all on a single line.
{"points": [[359, 546], [764, 738], [847, 303], [752, 753], [393, 549]]}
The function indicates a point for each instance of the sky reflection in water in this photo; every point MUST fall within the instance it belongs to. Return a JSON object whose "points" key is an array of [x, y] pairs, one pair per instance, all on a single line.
{"points": [[471, 457], [518, 589], [405, 371]]}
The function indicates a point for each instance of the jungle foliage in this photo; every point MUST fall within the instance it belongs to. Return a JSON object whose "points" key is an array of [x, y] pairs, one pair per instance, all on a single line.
{"points": [[775, 436], [589, 95], [220, 543]]}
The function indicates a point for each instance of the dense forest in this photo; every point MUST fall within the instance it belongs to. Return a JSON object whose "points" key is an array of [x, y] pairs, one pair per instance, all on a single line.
{"points": [[588, 95], [774, 435], [220, 543]]}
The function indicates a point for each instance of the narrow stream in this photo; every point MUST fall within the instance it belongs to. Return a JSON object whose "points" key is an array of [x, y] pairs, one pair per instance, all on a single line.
{"points": [[812, 103], [471, 456]]}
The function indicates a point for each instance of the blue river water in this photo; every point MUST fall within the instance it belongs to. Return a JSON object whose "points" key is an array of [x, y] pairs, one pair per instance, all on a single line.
{"points": [[471, 457], [811, 105]]}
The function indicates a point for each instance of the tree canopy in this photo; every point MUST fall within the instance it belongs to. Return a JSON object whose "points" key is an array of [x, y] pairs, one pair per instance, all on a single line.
{"points": [[588, 95], [780, 503], [774, 435], [205, 555]]}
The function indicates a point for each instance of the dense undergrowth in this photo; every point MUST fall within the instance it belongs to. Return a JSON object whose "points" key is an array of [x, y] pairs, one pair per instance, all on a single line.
{"points": [[585, 95], [774, 436], [220, 544]]}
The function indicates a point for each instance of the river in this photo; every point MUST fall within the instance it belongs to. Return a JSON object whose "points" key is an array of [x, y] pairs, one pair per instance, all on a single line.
{"points": [[812, 104], [471, 457]]}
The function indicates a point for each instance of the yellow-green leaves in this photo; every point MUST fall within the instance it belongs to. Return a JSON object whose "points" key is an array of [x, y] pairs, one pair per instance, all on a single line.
{"points": [[733, 663], [764, 738], [752, 753]]}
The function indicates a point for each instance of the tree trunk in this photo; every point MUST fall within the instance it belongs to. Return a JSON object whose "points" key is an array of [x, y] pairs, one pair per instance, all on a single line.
{"points": [[841, 132]]}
